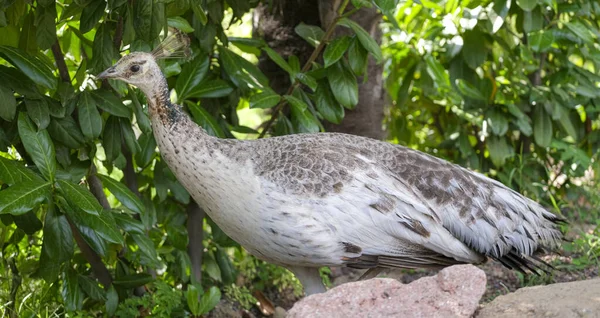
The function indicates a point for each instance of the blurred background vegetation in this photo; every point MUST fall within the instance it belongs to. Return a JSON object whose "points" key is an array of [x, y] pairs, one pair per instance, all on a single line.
{"points": [[93, 222]]}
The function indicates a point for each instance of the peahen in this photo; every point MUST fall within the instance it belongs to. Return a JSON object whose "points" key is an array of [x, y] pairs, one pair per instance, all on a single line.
{"points": [[310, 200]]}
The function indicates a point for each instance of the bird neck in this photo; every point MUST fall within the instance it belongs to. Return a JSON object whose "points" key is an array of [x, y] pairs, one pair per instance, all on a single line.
{"points": [[159, 102]]}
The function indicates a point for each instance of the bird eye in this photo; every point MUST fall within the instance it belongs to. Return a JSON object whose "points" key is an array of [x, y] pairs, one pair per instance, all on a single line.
{"points": [[134, 68]]}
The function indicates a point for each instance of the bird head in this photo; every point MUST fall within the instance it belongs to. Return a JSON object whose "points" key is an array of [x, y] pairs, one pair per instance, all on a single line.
{"points": [[138, 68], [141, 69]]}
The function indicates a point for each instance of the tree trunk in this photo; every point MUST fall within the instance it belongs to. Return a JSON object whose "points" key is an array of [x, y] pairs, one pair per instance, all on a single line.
{"points": [[276, 25]]}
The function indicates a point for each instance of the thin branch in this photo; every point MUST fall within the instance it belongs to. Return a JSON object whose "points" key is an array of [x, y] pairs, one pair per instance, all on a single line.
{"points": [[59, 58], [96, 187], [129, 172], [118, 33], [195, 232], [98, 267], [14, 288], [313, 57]]}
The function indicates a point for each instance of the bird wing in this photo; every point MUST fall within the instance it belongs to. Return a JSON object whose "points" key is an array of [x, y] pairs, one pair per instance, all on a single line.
{"points": [[395, 195]]}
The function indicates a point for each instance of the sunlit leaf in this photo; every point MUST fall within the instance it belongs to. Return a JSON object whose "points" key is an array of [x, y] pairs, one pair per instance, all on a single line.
{"points": [[32, 66], [122, 193], [22, 197], [39, 146]]}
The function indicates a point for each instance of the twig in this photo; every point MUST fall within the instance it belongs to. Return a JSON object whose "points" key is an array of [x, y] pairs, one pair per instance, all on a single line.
{"points": [[14, 288], [129, 173], [59, 58], [118, 33], [195, 232], [315, 54], [98, 267], [96, 187]]}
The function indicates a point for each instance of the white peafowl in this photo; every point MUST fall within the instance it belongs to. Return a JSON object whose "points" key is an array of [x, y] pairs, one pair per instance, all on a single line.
{"points": [[327, 199]]}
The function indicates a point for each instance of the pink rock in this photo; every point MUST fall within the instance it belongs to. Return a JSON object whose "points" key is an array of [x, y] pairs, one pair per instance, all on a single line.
{"points": [[454, 292]]}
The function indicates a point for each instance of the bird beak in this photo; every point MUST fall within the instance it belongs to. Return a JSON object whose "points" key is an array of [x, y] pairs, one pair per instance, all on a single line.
{"points": [[108, 73]]}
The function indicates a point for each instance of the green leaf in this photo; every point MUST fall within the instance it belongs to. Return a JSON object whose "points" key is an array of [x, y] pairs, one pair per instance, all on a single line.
{"points": [[58, 238], [112, 301], [71, 293], [79, 197], [110, 103], [191, 76], [148, 150], [15, 79], [437, 72], [205, 120], [567, 123], [343, 85], [527, 5], [90, 15], [310, 33], [266, 99], [12, 172], [91, 288], [129, 136], [541, 41], [66, 131], [302, 115], [147, 247], [499, 149], [474, 51], [90, 121], [193, 299], [38, 111], [39, 146], [128, 224], [307, 80], [28, 222], [211, 89], [199, 12], [542, 127], [364, 38], [336, 49], [27, 38], [357, 57], [210, 299], [140, 115], [241, 71], [180, 24], [8, 104], [103, 50], [46, 27], [31, 65], [122, 193], [23, 197], [581, 31], [275, 57], [133, 280], [295, 102], [470, 91], [498, 122], [103, 225], [326, 104], [111, 139]]}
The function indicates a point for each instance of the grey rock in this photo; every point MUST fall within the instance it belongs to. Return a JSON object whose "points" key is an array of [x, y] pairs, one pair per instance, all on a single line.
{"points": [[454, 292]]}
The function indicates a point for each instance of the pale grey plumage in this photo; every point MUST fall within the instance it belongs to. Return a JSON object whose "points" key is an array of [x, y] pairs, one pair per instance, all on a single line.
{"points": [[313, 200]]}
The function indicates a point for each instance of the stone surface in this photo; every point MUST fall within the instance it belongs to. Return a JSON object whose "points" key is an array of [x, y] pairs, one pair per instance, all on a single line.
{"points": [[564, 300], [454, 292]]}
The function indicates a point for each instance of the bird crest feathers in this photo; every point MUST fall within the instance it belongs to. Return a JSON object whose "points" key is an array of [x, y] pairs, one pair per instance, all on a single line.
{"points": [[175, 45]]}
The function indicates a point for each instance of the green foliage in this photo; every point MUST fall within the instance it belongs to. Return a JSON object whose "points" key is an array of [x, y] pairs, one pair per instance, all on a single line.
{"points": [[501, 87]]}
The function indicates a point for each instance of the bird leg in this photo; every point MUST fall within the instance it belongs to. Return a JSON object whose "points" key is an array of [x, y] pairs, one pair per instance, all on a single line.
{"points": [[310, 279]]}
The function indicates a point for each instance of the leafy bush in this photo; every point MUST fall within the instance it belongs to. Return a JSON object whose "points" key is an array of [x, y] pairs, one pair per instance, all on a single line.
{"points": [[500, 86], [92, 215]]}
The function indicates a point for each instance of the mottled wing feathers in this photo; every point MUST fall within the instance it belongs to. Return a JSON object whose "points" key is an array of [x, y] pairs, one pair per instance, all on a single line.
{"points": [[454, 214]]}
